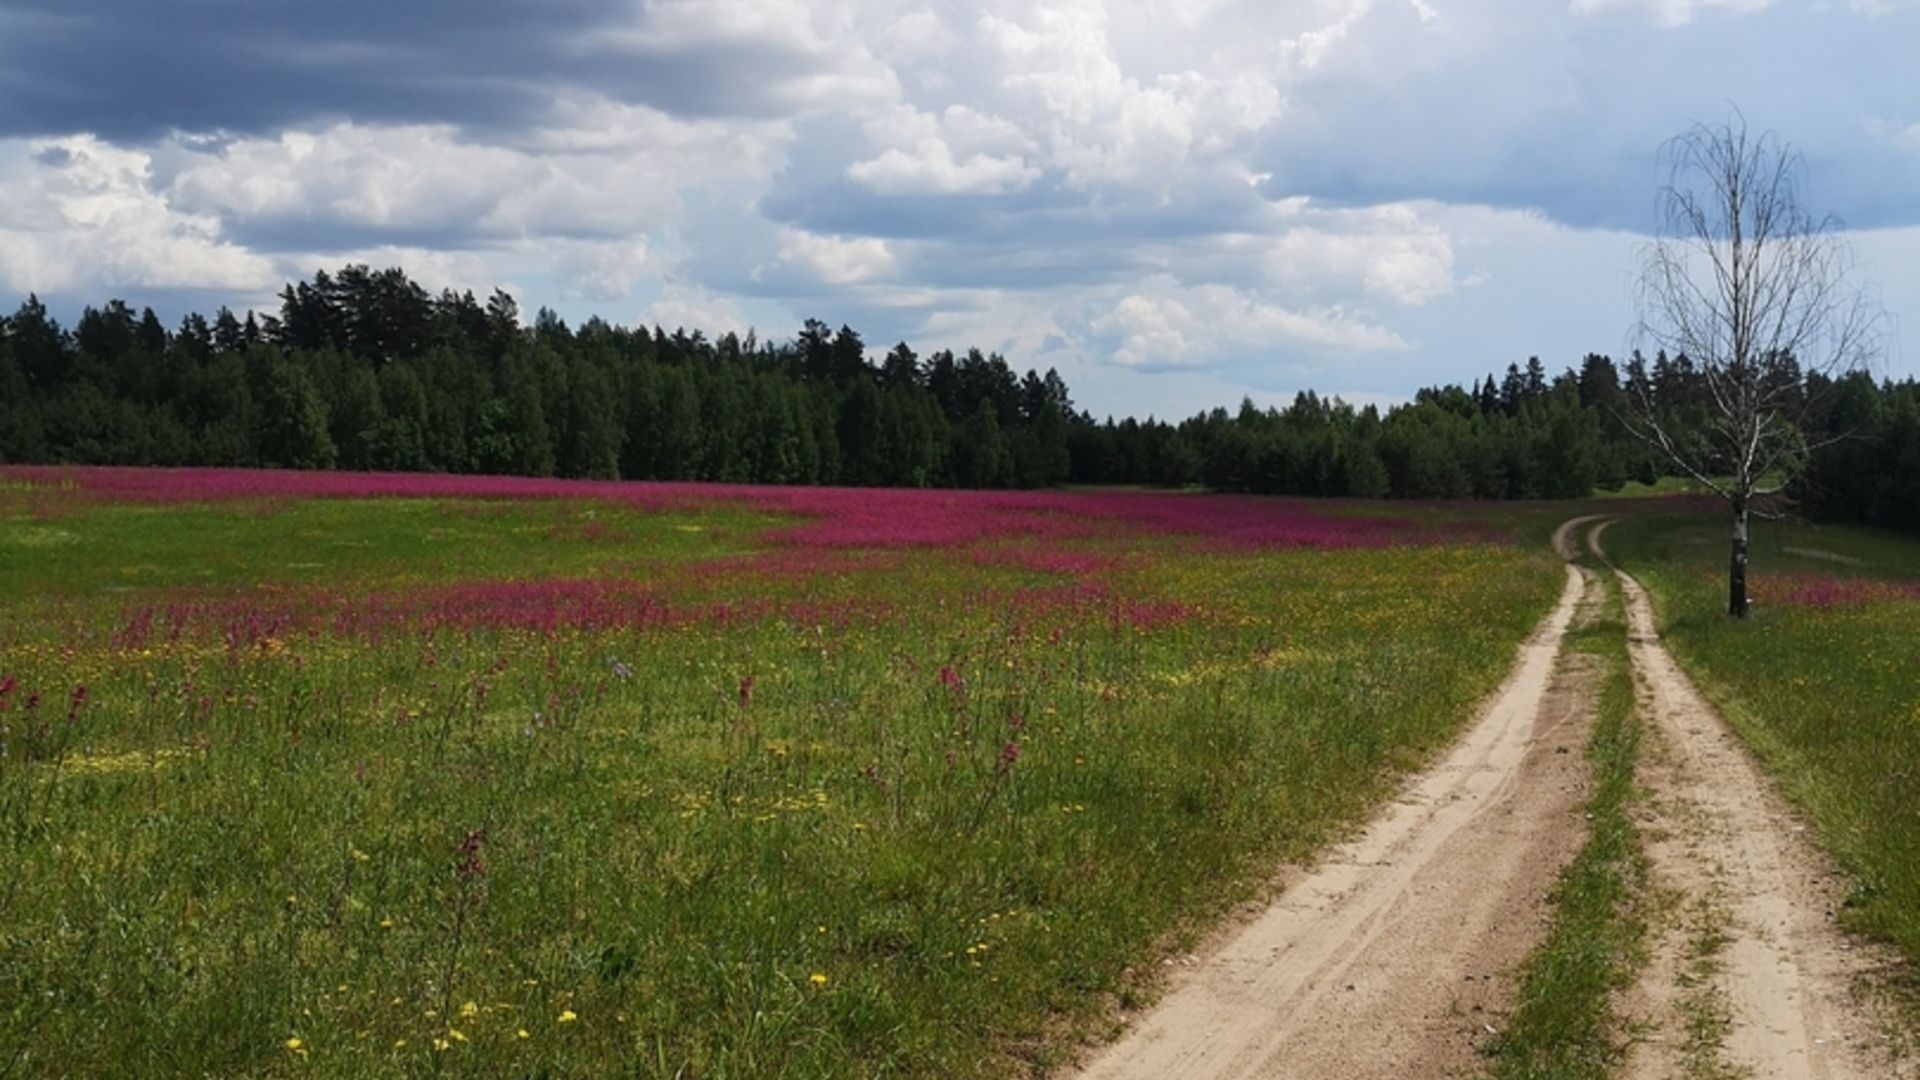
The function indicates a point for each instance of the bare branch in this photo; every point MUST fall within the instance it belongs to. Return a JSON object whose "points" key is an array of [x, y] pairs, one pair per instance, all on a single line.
{"points": [[1759, 297]]}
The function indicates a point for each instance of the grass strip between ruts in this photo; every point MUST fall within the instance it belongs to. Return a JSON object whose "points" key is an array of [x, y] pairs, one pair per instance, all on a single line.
{"points": [[1562, 1025]]}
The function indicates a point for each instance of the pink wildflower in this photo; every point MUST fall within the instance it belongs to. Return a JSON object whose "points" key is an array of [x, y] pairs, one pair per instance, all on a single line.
{"points": [[470, 865], [1009, 754]]}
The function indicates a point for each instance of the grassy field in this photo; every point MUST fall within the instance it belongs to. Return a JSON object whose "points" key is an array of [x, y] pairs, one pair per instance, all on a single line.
{"points": [[430, 776], [1823, 680]]}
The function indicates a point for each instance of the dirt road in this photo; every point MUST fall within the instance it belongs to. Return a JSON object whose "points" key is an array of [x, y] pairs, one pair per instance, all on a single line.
{"points": [[1747, 945], [1391, 957]]}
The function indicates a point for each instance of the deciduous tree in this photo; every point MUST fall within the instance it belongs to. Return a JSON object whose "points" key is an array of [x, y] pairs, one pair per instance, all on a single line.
{"points": [[1757, 294]]}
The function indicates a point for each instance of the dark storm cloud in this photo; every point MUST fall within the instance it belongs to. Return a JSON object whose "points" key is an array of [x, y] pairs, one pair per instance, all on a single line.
{"points": [[136, 71]]}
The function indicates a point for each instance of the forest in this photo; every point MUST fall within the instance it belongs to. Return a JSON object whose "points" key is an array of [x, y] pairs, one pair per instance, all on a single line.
{"points": [[365, 369]]}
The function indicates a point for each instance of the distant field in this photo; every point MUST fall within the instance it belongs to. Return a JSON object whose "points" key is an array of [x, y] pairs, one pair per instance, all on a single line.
{"points": [[326, 775], [1823, 680]]}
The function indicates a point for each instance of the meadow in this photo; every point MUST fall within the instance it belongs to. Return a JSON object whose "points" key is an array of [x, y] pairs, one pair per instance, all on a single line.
{"points": [[344, 775], [1822, 681]]}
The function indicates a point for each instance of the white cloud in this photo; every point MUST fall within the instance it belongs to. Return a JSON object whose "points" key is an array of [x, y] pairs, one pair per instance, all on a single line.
{"points": [[1388, 250], [608, 171], [386, 178], [1668, 12], [932, 170], [432, 268], [602, 271], [1234, 189], [918, 37], [1101, 125], [689, 307], [960, 152], [1165, 324], [836, 260], [80, 214], [1313, 46]]}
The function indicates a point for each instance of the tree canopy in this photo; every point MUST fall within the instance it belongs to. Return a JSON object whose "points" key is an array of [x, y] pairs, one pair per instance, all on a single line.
{"points": [[365, 370]]}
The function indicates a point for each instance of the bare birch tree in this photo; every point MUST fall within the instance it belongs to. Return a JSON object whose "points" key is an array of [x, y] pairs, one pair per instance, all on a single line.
{"points": [[1762, 298]]}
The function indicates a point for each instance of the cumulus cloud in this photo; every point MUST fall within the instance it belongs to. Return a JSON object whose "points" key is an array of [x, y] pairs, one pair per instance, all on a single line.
{"points": [[1120, 186], [959, 152], [1388, 250], [917, 37], [1102, 125], [836, 260], [611, 172], [1165, 324], [80, 213], [930, 169]]}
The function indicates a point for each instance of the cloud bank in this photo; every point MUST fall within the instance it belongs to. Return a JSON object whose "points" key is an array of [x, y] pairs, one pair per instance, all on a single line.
{"points": [[1363, 196]]}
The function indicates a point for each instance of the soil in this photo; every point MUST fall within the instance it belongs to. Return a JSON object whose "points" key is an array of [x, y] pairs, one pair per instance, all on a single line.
{"points": [[1744, 939], [1393, 955]]}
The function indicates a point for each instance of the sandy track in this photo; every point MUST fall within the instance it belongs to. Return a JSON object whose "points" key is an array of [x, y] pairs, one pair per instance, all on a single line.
{"points": [[1389, 959], [1392, 957], [1747, 893]]}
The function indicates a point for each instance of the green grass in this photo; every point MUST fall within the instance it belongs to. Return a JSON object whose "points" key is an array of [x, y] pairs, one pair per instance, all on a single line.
{"points": [[921, 813], [1562, 1026], [127, 548], [1666, 485], [1827, 693]]}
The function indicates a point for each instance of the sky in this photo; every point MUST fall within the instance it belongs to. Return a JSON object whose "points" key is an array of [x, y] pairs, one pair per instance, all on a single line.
{"points": [[1177, 204]]}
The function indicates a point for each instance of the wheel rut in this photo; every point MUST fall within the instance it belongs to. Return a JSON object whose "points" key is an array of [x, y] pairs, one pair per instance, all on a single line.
{"points": [[1388, 958], [1393, 954], [1750, 976]]}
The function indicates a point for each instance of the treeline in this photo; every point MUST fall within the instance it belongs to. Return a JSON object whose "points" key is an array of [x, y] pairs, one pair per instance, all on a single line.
{"points": [[1870, 470], [367, 370]]}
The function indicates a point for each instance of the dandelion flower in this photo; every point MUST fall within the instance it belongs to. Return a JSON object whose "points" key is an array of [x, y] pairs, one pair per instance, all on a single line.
{"points": [[522, 1034], [817, 979], [567, 1016], [293, 1043], [469, 1011]]}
